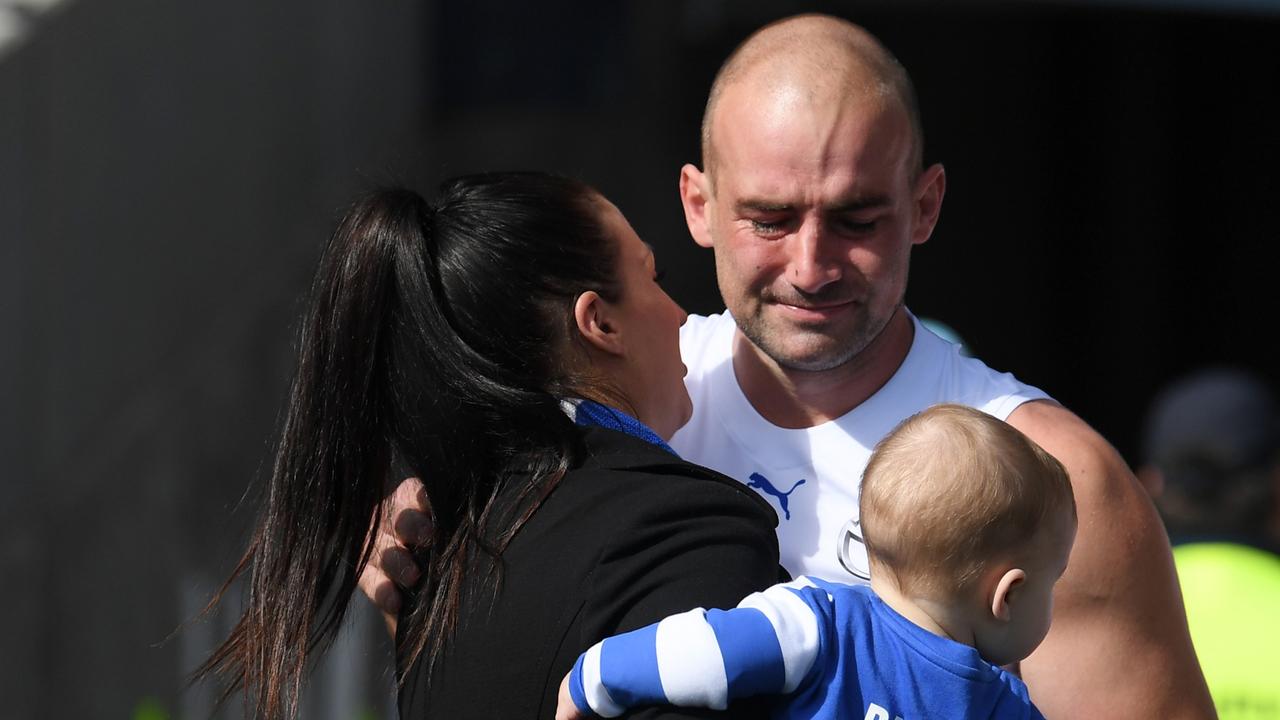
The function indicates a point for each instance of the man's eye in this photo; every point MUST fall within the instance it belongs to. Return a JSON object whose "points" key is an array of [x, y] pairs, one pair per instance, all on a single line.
{"points": [[766, 226], [855, 227]]}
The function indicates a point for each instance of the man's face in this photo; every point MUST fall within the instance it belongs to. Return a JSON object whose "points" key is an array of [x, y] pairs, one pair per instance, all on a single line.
{"points": [[812, 209]]}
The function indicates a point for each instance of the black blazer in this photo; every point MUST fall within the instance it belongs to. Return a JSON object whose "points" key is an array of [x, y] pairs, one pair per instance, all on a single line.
{"points": [[630, 536]]}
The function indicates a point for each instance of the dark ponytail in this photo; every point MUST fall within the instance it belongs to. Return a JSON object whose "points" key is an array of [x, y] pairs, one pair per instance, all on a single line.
{"points": [[436, 339]]}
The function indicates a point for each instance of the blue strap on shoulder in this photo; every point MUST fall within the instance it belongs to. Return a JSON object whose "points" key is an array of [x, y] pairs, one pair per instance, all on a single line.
{"points": [[590, 412]]}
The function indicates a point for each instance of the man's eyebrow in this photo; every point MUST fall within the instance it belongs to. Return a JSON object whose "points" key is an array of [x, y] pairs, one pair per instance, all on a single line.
{"points": [[859, 203], [841, 206], [763, 206]]}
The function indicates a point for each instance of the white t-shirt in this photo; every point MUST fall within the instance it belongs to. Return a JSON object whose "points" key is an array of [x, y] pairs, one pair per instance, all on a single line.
{"points": [[811, 476]]}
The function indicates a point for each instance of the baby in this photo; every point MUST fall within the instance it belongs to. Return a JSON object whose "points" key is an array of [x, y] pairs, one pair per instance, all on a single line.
{"points": [[968, 525]]}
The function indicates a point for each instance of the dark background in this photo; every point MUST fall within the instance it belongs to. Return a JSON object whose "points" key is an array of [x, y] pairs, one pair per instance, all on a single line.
{"points": [[168, 172]]}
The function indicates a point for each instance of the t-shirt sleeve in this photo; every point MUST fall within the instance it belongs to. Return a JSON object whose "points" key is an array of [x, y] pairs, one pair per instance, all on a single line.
{"points": [[770, 643], [703, 544]]}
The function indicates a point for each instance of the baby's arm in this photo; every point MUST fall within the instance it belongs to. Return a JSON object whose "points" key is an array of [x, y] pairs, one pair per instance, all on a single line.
{"points": [[701, 658]]}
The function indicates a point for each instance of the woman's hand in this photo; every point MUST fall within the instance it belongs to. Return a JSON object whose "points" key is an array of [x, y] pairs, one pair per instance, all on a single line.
{"points": [[392, 566]]}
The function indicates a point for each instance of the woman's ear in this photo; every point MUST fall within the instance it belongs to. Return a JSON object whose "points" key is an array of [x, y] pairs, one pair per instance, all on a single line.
{"points": [[1001, 599], [593, 317]]}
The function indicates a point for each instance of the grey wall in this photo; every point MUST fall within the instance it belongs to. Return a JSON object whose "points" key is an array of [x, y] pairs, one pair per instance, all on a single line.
{"points": [[167, 173]]}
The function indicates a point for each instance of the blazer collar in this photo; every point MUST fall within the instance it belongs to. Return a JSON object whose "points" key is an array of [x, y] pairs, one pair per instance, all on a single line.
{"points": [[612, 450]]}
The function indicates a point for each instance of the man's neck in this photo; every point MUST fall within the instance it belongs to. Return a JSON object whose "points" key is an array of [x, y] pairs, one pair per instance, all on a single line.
{"points": [[801, 399]]}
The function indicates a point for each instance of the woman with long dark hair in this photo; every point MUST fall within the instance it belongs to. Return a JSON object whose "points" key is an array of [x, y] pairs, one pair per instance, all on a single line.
{"points": [[509, 344]]}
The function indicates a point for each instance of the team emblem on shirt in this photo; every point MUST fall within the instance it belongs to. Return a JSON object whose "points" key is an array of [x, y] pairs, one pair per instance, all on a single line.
{"points": [[852, 551]]}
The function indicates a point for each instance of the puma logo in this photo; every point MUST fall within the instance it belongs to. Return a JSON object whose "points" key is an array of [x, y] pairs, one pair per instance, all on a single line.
{"points": [[762, 483]]}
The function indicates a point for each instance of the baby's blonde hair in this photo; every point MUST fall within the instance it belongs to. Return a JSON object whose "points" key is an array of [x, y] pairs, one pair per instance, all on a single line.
{"points": [[953, 489]]}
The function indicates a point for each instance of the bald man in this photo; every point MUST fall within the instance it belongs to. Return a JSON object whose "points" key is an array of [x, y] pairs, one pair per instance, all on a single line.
{"points": [[812, 195]]}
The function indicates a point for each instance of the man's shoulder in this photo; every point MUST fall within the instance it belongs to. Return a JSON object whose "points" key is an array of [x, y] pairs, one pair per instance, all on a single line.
{"points": [[1063, 433], [1100, 478], [938, 364]]}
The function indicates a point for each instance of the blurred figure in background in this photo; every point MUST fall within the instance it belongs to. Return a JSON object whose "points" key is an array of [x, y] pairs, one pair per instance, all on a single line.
{"points": [[1211, 444]]}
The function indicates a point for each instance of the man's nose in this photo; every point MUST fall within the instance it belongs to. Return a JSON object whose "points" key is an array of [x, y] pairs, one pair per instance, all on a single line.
{"points": [[812, 262]]}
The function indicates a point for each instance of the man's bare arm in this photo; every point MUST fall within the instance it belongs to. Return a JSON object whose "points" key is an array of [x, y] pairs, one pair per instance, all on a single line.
{"points": [[1119, 645]]}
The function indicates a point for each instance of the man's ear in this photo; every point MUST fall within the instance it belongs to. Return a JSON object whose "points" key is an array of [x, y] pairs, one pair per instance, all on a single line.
{"points": [[1002, 598], [695, 194], [930, 187], [593, 317]]}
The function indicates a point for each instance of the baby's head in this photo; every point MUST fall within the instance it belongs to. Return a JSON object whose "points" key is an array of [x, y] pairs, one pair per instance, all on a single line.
{"points": [[962, 511]]}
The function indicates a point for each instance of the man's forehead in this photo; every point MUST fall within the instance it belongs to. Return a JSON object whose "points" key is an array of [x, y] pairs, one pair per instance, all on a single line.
{"points": [[818, 121], [796, 141]]}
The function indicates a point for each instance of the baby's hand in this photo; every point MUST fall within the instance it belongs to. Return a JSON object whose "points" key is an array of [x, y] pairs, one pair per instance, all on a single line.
{"points": [[566, 709]]}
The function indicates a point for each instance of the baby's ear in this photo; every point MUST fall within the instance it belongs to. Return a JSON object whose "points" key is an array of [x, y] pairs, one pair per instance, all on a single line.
{"points": [[1002, 597]]}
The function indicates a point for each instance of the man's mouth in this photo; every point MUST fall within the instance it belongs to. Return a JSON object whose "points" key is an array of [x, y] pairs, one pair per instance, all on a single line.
{"points": [[815, 311]]}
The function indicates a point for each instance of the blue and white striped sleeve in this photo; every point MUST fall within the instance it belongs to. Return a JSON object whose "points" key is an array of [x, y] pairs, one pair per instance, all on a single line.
{"points": [[704, 658]]}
